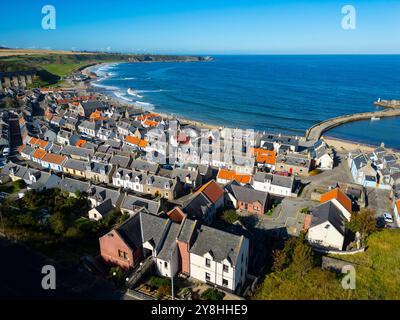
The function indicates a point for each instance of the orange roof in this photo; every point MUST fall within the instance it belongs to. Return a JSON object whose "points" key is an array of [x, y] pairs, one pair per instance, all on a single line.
{"points": [[38, 142], [147, 116], [39, 154], [80, 143], [95, 115], [136, 141], [54, 158], [225, 174], [150, 123], [264, 156], [212, 191], [176, 215], [21, 121], [21, 148], [398, 206], [339, 196], [76, 104]]}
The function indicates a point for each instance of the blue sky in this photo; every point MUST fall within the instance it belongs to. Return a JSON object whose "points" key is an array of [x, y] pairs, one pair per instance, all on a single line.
{"points": [[204, 27]]}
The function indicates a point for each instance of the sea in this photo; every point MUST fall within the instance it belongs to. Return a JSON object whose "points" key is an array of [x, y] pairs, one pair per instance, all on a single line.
{"points": [[272, 93]]}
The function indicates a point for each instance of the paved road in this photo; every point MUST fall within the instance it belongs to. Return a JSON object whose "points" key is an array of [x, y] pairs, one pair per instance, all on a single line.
{"points": [[340, 173]]}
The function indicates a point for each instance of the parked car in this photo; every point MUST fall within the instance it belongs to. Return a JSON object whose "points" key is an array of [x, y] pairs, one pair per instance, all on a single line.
{"points": [[380, 222], [388, 217]]}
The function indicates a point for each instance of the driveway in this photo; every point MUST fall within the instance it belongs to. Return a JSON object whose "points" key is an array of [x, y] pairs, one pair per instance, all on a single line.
{"points": [[340, 173], [286, 217]]}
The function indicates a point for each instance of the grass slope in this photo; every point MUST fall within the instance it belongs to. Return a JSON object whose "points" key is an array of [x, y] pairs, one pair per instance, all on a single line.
{"points": [[377, 275]]}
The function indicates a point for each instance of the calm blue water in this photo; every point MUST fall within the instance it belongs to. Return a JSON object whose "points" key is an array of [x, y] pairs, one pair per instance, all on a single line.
{"points": [[284, 94]]}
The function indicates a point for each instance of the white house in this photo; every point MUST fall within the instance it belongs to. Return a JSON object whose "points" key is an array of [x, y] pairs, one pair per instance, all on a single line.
{"points": [[219, 258], [274, 184], [327, 227]]}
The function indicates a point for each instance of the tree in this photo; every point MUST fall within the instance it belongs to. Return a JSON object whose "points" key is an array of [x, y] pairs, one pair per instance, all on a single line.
{"points": [[363, 222]]}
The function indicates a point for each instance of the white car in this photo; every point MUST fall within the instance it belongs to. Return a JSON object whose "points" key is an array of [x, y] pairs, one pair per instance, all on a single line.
{"points": [[388, 217]]}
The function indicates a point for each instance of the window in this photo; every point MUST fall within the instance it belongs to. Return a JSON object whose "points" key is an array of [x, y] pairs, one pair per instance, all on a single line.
{"points": [[208, 263], [225, 282], [165, 264], [122, 254], [208, 277], [225, 268]]}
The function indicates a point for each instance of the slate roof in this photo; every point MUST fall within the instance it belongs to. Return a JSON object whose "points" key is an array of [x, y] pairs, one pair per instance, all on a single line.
{"points": [[104, 208], [130, 232], [221, 245], [132, 202], [276, 179], [75, 164], [71, 185], [102, 194], [121, 161], [328, 212], [144, 166], [169, 244], [197, 207], [247, 194], [153, 228], [187, 228], [360, 161]]}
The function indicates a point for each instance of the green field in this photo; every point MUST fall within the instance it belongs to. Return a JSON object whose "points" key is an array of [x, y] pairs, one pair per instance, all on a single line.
{"points": [[377, 275]]}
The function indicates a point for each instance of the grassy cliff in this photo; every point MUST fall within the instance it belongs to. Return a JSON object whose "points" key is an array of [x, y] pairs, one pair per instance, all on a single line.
{"points": [[52, 67], [377, 274]]}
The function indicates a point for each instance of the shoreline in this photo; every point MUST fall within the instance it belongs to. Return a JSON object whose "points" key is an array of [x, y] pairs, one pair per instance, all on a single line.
{"points": [[339, 144]]}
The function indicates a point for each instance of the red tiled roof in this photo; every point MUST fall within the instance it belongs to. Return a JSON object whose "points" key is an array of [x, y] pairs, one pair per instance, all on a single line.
{"points": [[39, 154], [339, 196], [54, 158], [176, 215], [212, 191], [264, 156]]}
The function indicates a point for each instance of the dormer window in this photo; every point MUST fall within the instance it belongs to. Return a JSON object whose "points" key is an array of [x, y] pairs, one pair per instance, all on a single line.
{"points": [[208, 263], [150, 181], [167, 185]]}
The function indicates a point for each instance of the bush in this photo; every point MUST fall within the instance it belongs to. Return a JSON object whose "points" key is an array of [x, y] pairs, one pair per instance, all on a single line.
{"points": [[212, 294], [315, 172], [304, 210], [164, 290], [230, 216], [158, 282]]}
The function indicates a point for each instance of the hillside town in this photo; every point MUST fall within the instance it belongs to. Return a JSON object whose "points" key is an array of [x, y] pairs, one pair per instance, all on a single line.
{"points": [[176, 183]]}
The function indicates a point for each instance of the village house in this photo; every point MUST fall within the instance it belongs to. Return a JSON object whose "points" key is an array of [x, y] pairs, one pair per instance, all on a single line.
{"points": [[132, 204], [72, 186], [122, 246], [217, 257], [225, 176], [274, 184], [204, 205], [53, 161], [89, 128], [245, 198], [99, 172], [327, 228], [294, 164], [75, 167], [328, 220]]}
